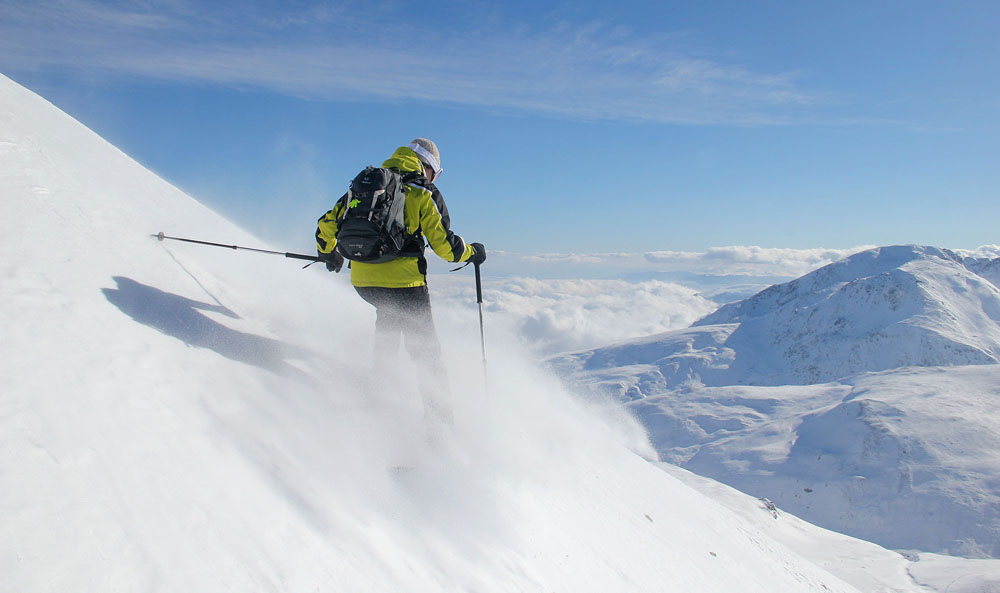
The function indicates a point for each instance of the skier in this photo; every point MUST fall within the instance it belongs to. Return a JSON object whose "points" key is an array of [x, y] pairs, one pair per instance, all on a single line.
{"points": [[398, 288]]}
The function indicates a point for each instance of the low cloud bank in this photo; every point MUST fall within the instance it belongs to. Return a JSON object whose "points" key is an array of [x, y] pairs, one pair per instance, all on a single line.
{"points": [[549, 316], [559, 302], [746, 261], [985, 251], [751, 260]]}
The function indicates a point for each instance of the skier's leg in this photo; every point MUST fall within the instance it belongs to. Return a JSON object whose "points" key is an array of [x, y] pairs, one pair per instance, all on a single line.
{"points": [[423, 345], [389, 320]]}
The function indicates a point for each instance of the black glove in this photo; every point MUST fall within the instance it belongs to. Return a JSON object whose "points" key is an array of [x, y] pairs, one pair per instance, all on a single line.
{"points": [[478, 254], [333, 260]]}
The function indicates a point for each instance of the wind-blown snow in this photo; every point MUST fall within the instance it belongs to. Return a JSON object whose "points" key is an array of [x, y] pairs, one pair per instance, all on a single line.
{"points": [[184, 418]]}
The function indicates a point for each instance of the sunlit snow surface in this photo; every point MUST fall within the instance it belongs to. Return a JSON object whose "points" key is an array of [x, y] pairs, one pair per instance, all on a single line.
{"points": [[183, 418]]}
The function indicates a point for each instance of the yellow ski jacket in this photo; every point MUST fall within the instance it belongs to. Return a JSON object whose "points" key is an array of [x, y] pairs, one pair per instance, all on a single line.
{"points": [[426, 217]]}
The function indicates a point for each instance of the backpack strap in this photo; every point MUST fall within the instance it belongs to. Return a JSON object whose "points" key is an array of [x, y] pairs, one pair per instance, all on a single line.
{"points": [[415, 241], [410, 176]]}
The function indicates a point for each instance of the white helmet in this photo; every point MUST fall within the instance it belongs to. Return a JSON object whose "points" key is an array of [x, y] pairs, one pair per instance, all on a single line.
{"points": [[429, 156]]}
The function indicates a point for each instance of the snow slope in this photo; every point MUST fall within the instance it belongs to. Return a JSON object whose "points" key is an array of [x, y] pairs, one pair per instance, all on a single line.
{"points": [[859, 397], [183, 418], [862, 564]]}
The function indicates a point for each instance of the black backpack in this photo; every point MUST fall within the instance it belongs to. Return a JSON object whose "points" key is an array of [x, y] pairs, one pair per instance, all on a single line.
{"points": [[371, 228]]}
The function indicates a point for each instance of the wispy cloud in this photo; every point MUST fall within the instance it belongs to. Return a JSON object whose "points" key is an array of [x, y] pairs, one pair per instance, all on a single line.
{"points": [[332, 52]]}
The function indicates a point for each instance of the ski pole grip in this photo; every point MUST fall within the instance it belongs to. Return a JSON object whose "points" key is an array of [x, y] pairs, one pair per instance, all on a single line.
{"points": [[479, 286], [312, 258]]}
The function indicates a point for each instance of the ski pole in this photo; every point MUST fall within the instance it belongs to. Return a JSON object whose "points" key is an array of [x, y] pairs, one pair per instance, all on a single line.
{"points": [[160, 236], [482, 331]]}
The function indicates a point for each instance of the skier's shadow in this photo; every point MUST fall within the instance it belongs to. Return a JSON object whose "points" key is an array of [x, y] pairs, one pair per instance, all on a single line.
{"points": [[179, 317]]}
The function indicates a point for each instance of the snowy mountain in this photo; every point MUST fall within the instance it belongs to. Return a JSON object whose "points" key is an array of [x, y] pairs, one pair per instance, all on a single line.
{"points": [[877, 310], [183, 418], [861, 397]]}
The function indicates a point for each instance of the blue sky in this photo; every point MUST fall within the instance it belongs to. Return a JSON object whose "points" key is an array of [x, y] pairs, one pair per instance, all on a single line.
{"points": [[564, 127]]}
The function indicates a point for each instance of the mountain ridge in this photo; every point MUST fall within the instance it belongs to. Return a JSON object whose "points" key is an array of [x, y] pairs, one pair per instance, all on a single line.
{"points": [[877, 310], [858, 396]]}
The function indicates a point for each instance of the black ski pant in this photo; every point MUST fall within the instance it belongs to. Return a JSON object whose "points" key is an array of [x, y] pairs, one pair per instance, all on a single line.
{"points": [[406, 313]]}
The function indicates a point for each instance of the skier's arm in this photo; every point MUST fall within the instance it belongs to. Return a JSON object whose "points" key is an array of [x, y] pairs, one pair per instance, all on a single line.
{"points": [[435, 224], [326, 227]]}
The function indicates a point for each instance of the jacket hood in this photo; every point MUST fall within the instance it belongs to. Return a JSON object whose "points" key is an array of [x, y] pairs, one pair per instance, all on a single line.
{"points": [[405, 160]]}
